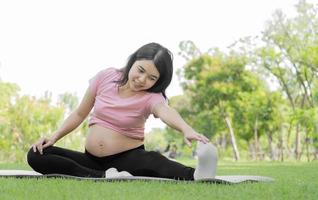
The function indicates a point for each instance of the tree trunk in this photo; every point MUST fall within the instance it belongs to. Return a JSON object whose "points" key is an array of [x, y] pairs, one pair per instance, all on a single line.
{"points": [[314, 142], [251, 148], [281, 145], [307, 150], [258, 151], [297, 143], [307, 141], [288, 148], [270, 145], [232, 137], [316, 154], [223, 141]]}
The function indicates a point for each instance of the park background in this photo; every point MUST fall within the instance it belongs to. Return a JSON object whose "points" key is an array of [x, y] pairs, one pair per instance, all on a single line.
{"points": [[245, 71], [245, 76]]}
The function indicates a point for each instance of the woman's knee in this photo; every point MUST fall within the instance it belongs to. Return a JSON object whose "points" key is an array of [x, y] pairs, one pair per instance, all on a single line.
{"points": [[32, 157]]}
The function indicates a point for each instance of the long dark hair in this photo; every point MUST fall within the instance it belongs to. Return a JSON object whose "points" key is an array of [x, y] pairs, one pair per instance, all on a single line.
{"points": [[162, 59]]}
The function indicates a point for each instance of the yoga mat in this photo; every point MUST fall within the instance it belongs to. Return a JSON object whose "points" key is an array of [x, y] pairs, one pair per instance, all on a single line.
{"points": [[232, 179]]}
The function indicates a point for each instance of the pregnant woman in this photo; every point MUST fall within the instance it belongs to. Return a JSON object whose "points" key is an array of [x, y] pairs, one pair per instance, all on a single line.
{"points": [[122, 100]]}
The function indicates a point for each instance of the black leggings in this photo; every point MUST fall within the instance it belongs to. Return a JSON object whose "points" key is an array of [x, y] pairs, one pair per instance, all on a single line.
{"points": [[138, 162]]}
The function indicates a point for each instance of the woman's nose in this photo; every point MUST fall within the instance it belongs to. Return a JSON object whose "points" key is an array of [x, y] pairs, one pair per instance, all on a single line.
{"points": [[142, 78]]}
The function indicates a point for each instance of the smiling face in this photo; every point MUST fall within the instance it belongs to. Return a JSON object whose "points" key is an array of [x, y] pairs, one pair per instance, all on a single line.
{"points": [[142, 75]]}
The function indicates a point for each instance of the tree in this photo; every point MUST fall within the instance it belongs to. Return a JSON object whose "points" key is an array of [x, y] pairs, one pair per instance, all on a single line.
{"points": [[290, 54], [219, 83], [23, 119], [8, 95]]}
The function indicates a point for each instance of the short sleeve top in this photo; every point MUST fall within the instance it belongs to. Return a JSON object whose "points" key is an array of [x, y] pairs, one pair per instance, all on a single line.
{"points": [[123, 115]]}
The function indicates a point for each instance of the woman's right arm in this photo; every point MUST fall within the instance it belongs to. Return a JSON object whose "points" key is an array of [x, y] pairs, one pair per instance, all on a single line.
{"points": [[70, 123]]}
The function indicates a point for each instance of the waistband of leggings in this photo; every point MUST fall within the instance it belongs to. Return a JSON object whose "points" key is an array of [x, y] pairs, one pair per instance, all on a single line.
{"points": [[114, 155]]}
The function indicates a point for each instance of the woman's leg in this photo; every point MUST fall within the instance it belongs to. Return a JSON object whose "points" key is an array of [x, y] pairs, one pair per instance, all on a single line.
{"points": [[140, 162], [64, 161]]}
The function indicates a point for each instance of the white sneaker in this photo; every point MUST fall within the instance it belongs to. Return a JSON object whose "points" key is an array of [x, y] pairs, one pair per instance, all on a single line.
{"points": [[207, 161], [113, 173], [124, 174]]}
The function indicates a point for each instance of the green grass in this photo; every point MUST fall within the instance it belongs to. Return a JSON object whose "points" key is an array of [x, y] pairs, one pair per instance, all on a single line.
{"points": [[292, 181]]}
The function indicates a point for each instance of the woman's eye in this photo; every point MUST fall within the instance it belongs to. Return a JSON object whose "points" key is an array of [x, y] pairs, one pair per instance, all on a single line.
{"points": [[140, 70]]}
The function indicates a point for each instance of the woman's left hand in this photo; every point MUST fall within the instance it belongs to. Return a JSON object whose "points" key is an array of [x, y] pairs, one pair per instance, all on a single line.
{"points": [[191, 135]]}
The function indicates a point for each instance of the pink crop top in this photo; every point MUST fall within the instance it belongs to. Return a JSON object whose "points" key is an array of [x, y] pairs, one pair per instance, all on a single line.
{"points": [[123, 115]]}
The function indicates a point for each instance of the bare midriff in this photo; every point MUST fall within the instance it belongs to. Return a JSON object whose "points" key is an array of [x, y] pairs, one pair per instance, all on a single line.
{"points": [[103, 141]]}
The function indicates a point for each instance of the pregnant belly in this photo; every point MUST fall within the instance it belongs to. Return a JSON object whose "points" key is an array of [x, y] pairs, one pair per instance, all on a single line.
{"points": [[102, 141]]}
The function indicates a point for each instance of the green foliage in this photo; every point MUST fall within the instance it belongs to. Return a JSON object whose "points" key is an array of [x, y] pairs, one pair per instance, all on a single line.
{"points": [[68, 101], [8, 92], [155, 141], [221, 85], [24, 119], [235, 84], [290, 52]]}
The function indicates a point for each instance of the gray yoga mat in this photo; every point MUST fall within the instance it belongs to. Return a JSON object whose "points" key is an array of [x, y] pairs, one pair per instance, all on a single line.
{"points": [[232, 179]]}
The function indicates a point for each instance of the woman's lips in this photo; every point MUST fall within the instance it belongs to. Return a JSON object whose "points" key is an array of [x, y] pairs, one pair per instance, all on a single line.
{"points": [[137, 85]]}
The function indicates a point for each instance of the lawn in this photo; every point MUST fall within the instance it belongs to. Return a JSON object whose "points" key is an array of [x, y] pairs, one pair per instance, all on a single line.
{"points": [[292, 181]]}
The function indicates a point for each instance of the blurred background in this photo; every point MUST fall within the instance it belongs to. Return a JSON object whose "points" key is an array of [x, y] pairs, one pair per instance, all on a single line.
{"points": [[245, 71]]}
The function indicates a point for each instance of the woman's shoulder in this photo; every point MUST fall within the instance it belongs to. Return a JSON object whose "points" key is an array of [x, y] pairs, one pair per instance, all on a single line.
{"points": [[151, 96], [108, 73], [110, 70], [104, 76], [153, 99]]}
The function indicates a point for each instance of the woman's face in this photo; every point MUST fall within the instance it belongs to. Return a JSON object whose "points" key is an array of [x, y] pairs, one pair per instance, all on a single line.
{"points": [[142, 75]]}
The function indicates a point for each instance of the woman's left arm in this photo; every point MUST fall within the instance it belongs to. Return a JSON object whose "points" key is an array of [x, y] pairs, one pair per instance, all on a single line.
{"points": [[173, 119]]}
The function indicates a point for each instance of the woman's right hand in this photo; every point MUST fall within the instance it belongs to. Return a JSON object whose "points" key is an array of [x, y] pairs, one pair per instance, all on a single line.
{"points": [[42, 144]]}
